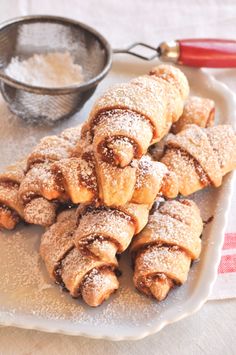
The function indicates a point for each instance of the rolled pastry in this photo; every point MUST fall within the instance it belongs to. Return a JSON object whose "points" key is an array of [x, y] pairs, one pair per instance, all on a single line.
{"points": [[200, 156], [80, 249], [81, 178], [129, 117], [40, 185], [197, 110], [164, 249]]}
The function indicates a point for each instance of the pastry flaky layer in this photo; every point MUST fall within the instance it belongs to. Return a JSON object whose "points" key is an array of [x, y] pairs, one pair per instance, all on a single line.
{"points": [[27, 187], [11, 207], [164, 249], [106, 170], [39, 189], [129, 117], [68, 174], [200, 156], [107, 163], [197, 110], [80, 249]]}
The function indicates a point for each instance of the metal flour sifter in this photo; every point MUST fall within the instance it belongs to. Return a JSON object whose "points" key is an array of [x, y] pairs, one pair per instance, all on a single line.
{"points": [[22, 37]]}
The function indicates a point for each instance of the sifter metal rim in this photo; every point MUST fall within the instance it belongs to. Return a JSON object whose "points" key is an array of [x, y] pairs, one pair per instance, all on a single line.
{"points": [[58, 90]]}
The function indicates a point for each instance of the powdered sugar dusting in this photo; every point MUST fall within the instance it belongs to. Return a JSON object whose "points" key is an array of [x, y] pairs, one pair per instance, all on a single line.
{"points": [[26, 288], [148, 167], [108, 222], [114, 312], [47, 70], [47, 301]]}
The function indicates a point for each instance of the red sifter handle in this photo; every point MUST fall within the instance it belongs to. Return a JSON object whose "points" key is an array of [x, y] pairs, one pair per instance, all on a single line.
{"points": [[211, 53]]}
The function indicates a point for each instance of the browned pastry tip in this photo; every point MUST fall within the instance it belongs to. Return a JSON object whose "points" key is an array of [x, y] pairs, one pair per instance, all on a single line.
{"points": [[166, 267], [115, 185], [49, 149], [197, 110], [170, 185], [8, 218], [40, 211], [72, 134], [164, 249], [154, 178], [11, 207], [92, 292], [174, 76], [119, 150], [77, 178], [223, 141]]}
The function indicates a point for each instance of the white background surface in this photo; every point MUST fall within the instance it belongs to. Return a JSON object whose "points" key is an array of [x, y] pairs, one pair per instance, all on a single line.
{"points": [[212, 329]]}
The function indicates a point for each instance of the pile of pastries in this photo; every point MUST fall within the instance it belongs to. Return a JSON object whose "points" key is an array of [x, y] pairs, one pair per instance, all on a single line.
{"points": [[120, 181]]}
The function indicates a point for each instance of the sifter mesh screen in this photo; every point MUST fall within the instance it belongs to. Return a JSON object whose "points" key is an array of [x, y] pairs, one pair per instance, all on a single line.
{"points": [[42, 34]]}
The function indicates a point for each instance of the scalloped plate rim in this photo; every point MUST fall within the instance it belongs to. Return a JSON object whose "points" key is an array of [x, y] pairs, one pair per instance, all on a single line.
{"points": [[194, 303]]}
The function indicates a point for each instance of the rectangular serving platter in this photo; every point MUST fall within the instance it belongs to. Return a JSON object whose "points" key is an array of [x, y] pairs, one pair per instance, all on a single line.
{"points": [[29, 299]]}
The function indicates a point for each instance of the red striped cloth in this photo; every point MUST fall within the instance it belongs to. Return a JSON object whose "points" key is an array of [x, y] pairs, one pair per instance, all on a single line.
{"points": [[227, 264], [228, 261], [230, 241], [225, 286]]}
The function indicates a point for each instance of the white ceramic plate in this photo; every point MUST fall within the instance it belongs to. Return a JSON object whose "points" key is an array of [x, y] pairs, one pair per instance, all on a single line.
{"points": [[28, 299]]}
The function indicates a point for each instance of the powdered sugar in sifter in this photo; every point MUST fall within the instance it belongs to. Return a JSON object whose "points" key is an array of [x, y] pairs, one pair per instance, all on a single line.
{"points": [[25, 36]]}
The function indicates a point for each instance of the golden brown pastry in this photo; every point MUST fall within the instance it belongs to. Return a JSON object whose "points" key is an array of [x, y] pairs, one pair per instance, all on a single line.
{"points": [[139, 182], [130, 117], [84, 180], [105, 166], [197, 110], [81, 178], [40, 185], [200, 156], [11, 208], [164, 249], [153, 178], [57, 241], [80, 249]]}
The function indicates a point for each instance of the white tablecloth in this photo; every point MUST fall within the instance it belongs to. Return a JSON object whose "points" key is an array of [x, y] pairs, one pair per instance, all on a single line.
{"points": [[211, 330]]}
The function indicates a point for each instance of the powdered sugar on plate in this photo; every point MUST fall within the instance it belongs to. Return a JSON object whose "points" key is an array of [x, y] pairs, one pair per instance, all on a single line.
{"points": [[26, 290]]}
